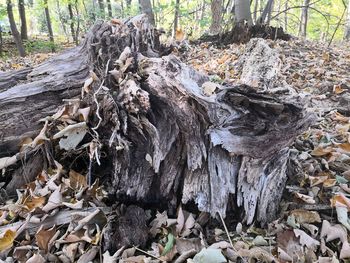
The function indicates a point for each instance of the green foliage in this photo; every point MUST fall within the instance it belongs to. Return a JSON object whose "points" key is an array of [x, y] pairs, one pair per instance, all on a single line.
{"points": [[40, 46]]}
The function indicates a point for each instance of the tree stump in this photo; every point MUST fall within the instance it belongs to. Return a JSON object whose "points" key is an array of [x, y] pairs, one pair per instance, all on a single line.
{"points": [[161, 137]]}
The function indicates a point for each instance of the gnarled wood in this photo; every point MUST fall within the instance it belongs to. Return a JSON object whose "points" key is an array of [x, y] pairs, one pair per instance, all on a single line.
{"points": [[165, 140]]}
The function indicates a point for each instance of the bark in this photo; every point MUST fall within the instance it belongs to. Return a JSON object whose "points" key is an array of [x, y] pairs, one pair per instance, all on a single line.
{"points": [[176, 18], [164, 139], [14, 31], [22, 15], [109, 7], [146, 8], [304, 19], [49, 25], [242, 12], [216, 15], [71, 17]]}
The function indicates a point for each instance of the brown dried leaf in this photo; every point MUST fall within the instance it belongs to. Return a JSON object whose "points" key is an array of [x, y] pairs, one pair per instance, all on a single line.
{"points": [[44, 236]]}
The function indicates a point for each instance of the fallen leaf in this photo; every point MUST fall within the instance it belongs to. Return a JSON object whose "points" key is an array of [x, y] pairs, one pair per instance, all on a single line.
{"points": [[73, 134], [6, 241], [305, 198], [306, 240], [209, 255], [44, 236]]}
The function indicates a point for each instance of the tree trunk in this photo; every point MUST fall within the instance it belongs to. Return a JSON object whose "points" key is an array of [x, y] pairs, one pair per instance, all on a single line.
{"points": [[71, 17], [269, 13], [62, 19], [77, 31], [347, 24], [216, 15], [286, 16], [304, 19], [49, 25], [146, 8], [109, 7], [256, 6], [176, 18], [14, 31], [22, 15], [102, 8], [242, 12], [1, 42], [165, 138]]}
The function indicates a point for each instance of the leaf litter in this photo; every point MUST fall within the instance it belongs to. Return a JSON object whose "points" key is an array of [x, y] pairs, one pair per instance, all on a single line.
{"points": [[61, 216]]}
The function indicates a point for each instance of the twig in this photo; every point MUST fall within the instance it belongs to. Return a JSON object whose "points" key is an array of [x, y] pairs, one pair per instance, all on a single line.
{"points": [[336, 28], [227, 233], [148, 254]]}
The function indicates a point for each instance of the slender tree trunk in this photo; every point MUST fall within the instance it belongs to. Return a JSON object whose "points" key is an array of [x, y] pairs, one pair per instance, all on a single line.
{"points": [[102, 8], [304, 18], [49, 25], [203, 9], [255, 15], [62, 19], [269, 13], [242, 12], [128, 3], [146, 8], [109, 7], [22, 15], [216, 14], [286, 16], [266, 14], [347, 25], [93, 14], [78, 23], [71, 17], [176, 17], [14, 30], [1, 42]]}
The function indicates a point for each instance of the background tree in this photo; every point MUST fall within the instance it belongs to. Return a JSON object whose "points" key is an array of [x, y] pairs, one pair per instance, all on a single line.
{"points": [[216, 14], [304, 18], [101, 5], [71, 17], [242, 12], [15, 33], [22, 15], [347, 24], [49, 25], [146, 8], [176, 18], [109, 8]]}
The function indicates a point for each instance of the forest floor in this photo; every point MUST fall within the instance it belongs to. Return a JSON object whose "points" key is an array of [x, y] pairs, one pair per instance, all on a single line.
{"points": [[313, 223]]}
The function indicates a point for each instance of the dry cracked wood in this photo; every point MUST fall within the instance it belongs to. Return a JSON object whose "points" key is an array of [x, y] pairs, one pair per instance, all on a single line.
{"points": [[165, 140]]}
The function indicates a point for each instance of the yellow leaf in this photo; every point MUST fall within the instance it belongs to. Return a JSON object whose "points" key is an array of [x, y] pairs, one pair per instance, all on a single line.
{"points": [[7, 240], [337, 89], [32, 202], [179, 35]]}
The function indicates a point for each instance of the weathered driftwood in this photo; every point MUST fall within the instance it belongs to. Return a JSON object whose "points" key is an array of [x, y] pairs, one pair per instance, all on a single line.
{"points": [[165, 141]]}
